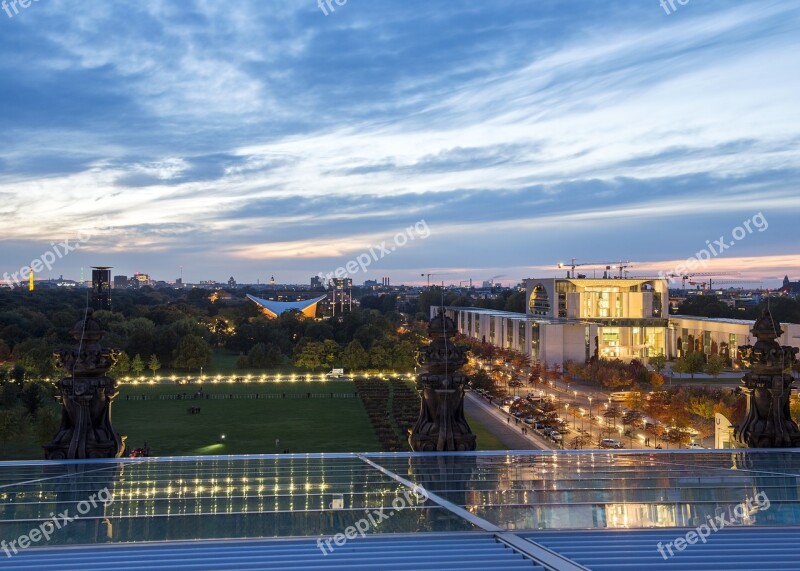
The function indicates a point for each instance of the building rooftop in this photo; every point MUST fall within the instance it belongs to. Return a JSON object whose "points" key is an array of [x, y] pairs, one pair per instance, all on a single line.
{"points": [[482, 510]]}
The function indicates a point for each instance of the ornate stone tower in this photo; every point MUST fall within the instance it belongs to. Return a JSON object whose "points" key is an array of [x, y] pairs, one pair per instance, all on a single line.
{"points": [[85, 395], [767, 422], [441, 425]]}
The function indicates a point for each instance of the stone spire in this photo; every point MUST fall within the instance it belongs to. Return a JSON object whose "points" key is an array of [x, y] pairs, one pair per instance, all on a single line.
{"points": [[767, 386]]}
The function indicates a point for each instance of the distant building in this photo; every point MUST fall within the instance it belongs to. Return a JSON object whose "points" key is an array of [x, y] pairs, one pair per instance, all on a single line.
{"points": [[792, 288], [140, 280], [371, 284], [341, 283], [101, 288], [316, 282], [273, 309], [385, 282], [121, 282], [577, 319]]}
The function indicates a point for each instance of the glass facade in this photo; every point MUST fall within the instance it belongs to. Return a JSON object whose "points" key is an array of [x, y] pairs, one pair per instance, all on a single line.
{"points": [[311, 495]]}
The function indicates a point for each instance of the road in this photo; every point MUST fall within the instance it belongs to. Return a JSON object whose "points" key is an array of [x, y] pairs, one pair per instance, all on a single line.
{"points": [[495, 422]]}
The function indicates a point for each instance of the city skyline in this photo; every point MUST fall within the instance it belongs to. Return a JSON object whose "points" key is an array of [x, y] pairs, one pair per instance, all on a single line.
{"points": [[249, 140]]}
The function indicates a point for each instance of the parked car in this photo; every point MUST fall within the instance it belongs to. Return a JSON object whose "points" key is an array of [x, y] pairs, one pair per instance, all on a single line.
{"points": [[528, 419], [695, 446], [538, 425], [547, 431], [556, 436], [610, 443]]}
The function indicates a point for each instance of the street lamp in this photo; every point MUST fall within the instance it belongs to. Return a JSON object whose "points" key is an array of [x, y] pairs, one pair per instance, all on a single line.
{"points": [[566, 415]]}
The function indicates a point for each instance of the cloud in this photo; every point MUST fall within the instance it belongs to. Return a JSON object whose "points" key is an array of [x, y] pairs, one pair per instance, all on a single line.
{"points": [[270, 133]]}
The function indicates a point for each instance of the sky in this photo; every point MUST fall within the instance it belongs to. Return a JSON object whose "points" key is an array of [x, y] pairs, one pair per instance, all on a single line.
{"points": [[464, 139]]}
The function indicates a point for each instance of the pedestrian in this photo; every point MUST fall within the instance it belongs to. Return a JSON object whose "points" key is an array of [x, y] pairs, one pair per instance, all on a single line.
{"points": [[277, 442], [508, 419]]}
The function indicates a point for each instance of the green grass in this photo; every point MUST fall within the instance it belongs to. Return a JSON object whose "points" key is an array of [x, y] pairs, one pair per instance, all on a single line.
{"points": [[486, 440], [249, 426]]}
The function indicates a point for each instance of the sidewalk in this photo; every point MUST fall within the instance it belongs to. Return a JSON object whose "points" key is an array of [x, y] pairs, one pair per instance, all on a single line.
{"points": [[535, 439]]}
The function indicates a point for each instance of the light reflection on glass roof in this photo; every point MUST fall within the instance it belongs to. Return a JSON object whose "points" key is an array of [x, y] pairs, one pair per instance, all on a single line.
{"points": [[310, 495]]}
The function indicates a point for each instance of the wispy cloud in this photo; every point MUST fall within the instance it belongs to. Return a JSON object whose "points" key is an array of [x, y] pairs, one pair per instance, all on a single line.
{"points": [[238, 136]]}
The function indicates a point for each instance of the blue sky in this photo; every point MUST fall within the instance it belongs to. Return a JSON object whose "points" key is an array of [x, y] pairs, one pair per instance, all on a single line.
{"points": [[253, 139]]}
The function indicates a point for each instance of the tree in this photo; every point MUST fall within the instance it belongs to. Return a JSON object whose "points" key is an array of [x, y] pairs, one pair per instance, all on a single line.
{"points": [[10, 395], [5, 352], [32, 396], [403, 356], [331, 353], [123, 364], [716, 364], [137, 365], [309, 355], [481, 380], [46, 425], [691, 363], [154, 364], [656, 381], [12, 425], [193, 352], [659, 363], [354, 357], [262, 356], [657, 430], [36, 356], [378, 357]]}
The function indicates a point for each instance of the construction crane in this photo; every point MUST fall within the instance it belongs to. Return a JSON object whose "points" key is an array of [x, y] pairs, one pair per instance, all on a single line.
{"points": [[429, 274], [688, 276], [621, 266], [709, 285]]}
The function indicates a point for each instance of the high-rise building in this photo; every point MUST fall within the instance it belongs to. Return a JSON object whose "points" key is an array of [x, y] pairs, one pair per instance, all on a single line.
{"points": [[101, 288], [121, 282], [139, 280], [316, 282]]}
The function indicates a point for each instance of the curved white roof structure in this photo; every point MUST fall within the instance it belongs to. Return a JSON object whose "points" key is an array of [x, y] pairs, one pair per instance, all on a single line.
{"points": [[273, 309]]}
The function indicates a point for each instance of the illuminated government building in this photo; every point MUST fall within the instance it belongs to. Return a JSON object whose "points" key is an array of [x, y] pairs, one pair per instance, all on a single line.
{"points": [[574, 319]]}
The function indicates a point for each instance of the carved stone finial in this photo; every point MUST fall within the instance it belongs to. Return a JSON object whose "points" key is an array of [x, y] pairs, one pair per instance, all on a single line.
{"points": [[767, 387], [86, 394], [441, 425]]}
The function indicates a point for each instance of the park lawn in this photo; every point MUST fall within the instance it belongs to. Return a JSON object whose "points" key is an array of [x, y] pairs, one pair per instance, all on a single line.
{"points": [[486, 440], [250, 426]]}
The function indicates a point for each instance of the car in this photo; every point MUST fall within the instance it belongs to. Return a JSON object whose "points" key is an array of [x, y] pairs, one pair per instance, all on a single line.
{"points": [[610, 443], [556, 436], [695, 446], [528, 419], [547, 431], [518, 414], [538, 425]]}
